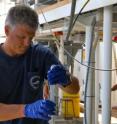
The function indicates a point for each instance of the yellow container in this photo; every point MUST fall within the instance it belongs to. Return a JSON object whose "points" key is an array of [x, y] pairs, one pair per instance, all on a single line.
{"points": [[70, 105]]}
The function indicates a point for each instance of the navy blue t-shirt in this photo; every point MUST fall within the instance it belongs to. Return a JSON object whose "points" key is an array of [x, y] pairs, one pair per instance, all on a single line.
{"points": [[21, 78]]}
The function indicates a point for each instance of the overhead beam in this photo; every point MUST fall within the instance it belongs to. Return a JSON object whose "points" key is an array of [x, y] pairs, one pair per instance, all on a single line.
{"points": [[62, 11]]}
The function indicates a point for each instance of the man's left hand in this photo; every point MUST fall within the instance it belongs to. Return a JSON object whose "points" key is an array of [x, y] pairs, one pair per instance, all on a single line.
{"points": [[58, 75]]}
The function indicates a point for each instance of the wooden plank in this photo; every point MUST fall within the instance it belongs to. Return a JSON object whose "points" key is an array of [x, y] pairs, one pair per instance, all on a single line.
{"points": [[53, 6]]}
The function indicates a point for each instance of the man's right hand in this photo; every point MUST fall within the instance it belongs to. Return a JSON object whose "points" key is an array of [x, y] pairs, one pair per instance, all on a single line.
{"points": [[42, 109]]}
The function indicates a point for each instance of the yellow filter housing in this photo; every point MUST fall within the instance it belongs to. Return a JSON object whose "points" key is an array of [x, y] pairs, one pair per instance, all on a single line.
{"points": [[70, 105]]}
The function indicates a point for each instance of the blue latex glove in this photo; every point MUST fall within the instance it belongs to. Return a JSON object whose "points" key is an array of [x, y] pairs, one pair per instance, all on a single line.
{"points": [[57, 75], [42, 109]]}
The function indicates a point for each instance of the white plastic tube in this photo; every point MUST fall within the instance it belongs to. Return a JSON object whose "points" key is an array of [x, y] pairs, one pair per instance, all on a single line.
{"points": [[107, 63]]}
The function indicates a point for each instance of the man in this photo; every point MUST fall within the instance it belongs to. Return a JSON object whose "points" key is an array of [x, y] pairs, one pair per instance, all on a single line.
{"points": [[114, 88], [23, 68]]}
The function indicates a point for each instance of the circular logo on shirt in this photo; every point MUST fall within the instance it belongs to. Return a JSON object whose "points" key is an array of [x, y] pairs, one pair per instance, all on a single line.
{"points": [[34, 82]]}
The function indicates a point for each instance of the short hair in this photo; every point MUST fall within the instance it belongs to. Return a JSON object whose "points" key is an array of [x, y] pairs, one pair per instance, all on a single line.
{"points": [[22, 14]]}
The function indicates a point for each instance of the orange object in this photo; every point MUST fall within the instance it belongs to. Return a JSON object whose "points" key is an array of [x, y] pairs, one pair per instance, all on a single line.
{"points": [[58, 33], [114, 38]]}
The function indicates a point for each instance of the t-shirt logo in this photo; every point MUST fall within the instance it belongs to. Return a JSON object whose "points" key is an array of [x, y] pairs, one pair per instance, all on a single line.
{"points": [[35, 81]]}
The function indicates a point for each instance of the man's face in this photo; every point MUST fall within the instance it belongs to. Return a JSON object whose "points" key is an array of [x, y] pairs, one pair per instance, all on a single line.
{"points": [[19, 38]]}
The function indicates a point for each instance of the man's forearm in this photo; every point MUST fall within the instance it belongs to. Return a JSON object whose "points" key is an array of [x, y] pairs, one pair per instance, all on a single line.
{"points": [[9, 112]]}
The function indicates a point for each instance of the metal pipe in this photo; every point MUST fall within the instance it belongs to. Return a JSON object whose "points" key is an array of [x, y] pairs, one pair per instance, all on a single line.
{"points": [[107, 63], [97, 90], [90, 84], [61, 58], [87, 86], [71, 19]]}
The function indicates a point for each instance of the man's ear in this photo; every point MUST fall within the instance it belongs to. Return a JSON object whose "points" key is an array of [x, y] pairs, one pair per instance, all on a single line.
{"points": [[7, 30]]}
